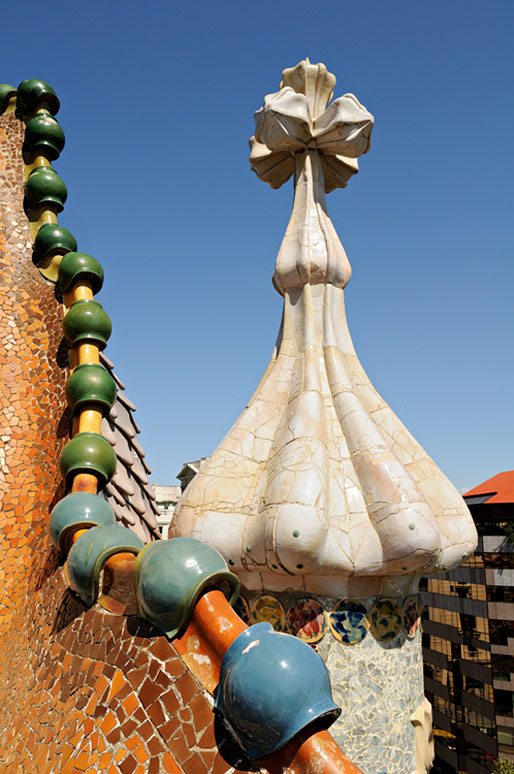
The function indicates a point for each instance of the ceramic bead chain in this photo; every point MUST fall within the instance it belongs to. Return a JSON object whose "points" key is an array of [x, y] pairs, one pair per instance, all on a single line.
{"points": [[88, 460]]}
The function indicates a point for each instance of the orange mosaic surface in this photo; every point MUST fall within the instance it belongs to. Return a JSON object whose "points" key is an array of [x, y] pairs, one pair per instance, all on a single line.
{"points": [[80, 690]]}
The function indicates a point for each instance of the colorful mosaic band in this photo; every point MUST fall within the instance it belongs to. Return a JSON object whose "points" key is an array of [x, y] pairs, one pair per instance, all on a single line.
{"points": [[349, 621]]}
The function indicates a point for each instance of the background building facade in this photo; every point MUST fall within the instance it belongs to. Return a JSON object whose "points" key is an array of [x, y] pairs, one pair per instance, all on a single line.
{"points": [[468, 640], [166, 498]]}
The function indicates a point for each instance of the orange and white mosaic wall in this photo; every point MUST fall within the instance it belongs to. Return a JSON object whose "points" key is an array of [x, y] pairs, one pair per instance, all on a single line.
{"points": [[81, 690]]}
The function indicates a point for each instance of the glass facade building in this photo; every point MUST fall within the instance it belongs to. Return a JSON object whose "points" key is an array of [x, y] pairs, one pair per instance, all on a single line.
{"points": [[468, 641]]}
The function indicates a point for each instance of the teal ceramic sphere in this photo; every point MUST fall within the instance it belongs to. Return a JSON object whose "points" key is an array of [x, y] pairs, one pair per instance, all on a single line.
{"points": [[43, 137], [34, 94], [91, 384], [272, 686], [6, 94], [171, 575], [76, 267], [90, 552], [44, 188], [86, 321], [76, 511], [52, 238], [88, 453]]}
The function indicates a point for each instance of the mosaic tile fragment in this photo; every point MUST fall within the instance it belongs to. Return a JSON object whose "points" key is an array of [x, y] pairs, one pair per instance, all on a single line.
{"points": [[411, 615], [307, 620], [268, 609], [386, 619], [349, 622]]}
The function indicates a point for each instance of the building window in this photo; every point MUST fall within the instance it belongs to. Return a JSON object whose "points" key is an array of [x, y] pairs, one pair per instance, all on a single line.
{"points": [[468, 624], [501, 631], [500, 594], [506, 735], [502, 666], [504, 703], [498, 560]]}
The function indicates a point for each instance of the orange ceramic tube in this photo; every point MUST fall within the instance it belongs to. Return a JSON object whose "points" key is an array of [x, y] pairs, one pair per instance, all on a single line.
{"points": [[87, 353], [78, 292], [78, 533], [213, 627], [85, 482], [319, 754], [89, 420]]}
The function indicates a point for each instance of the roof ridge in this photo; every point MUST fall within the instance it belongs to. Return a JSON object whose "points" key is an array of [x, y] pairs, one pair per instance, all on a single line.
{"points": [[131, 513]]}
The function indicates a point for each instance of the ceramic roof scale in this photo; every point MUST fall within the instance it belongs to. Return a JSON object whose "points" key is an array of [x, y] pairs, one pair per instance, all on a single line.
{"points": [[318, 497]]}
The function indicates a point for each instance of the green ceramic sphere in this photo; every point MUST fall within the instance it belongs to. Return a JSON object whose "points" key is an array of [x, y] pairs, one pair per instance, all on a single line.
{"points": [[43, 137], [78, 510], [52, 238], [91, 384], [80, 266], [88, 453], [6, 92], [86, 321], [44, 188], [171, 575], [90, 552], [34, 94]]}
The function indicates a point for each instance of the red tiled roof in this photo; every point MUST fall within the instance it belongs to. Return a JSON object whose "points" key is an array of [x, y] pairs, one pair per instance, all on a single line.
{"points": [[500, 486]]}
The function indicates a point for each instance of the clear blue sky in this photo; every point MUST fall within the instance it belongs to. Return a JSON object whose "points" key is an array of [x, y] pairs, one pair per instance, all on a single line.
{"points": [[157, 103]]}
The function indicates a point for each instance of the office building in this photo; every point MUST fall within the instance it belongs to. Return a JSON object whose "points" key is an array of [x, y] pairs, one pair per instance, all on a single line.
{"points": [[468, 640]]}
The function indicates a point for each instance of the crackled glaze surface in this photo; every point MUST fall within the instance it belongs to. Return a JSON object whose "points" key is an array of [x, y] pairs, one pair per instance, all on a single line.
{"points": [[318, 486], [377, 684], [318, 489]]}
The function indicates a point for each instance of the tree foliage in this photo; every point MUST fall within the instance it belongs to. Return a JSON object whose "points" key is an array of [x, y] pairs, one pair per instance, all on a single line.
{"points": [[503, 766], [509, 531]]}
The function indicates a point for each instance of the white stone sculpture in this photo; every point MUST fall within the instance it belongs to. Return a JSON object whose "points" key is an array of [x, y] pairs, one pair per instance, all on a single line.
{"points": [[318, 497], [422, 721], [318, 487]]}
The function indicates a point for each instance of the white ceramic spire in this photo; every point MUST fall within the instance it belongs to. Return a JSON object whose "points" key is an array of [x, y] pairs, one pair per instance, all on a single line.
{"points": [[318, 486]]}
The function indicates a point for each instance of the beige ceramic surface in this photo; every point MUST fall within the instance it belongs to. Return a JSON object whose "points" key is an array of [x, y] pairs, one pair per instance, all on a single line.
{"points": [[422, 722], [318, 486]]}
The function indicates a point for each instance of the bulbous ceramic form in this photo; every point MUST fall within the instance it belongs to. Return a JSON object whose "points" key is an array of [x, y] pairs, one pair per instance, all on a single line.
{"points": [[6, 93], [171, 575], [43, 137], [318, 476], [272, 686], [76, 511], [34, 94], [86, 321], [91, 384], [77, 267], [90, 552], [52, 238], [44, 188], [88, 453]]}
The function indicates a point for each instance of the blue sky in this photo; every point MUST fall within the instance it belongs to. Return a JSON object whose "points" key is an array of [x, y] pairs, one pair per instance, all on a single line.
{"points": [[157, 103]]}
